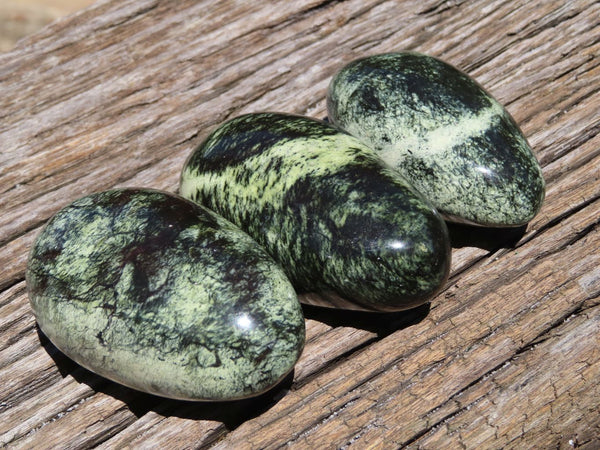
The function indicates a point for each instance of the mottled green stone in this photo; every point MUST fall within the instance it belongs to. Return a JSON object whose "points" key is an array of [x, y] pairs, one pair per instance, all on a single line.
{"points": [[158, 293], [444, 133], [326, 207]]}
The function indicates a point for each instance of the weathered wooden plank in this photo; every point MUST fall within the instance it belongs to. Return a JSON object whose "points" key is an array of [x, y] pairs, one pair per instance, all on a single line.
{"points": [[119, 95], [565, 358]]}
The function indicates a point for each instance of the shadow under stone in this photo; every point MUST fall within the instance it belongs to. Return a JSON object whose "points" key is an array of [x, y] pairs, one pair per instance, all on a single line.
{"points": [[380, 323], [489, 239], [231, 413]]}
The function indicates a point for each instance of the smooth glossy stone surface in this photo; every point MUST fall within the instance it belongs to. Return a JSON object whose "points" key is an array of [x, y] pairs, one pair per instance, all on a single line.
{"points": [[444, 133], [157, 293], [336, 218]]}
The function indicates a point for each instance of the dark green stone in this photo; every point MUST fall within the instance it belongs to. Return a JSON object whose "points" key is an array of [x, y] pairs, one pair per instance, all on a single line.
{"points": [[444, 133], [336, 218], [155, 292]]}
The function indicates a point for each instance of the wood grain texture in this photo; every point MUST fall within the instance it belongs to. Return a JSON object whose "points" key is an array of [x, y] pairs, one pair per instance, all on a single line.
{"points": [[507, 355]]}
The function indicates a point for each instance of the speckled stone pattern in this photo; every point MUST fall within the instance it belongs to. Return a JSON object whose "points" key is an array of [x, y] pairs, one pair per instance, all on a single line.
{"points": [[155, 292], [444, 133], [336, 218]]}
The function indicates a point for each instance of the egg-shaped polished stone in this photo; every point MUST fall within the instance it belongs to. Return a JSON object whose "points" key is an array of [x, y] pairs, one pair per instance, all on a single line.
{"points": [[158, 293], [326, 207], [444, 133]]}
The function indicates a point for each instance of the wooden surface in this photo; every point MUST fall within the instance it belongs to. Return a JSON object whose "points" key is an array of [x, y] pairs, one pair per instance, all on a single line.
{"points": [[507, 355]]}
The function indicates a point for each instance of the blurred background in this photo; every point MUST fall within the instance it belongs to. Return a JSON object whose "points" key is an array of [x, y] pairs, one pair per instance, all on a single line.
{"points": [[18, 18]]}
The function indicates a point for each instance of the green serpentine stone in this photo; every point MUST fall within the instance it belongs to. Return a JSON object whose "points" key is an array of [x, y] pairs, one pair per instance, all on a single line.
{"points": [[337, 219], [444, 133], [157, 293]]}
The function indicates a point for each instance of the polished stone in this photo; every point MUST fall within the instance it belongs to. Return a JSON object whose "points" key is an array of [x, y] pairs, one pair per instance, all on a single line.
{"points": [[326, 207], [157, 293], [444, 133]]}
